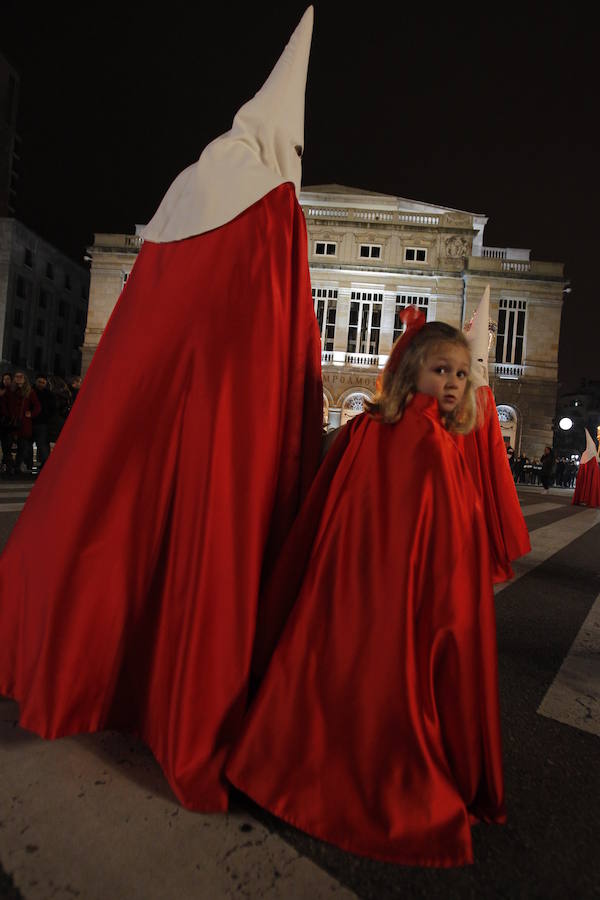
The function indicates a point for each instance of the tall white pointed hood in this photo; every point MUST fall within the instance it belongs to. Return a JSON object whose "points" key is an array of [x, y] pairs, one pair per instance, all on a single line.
{"points": [[261, 151], [590, 449], [478, 337]]}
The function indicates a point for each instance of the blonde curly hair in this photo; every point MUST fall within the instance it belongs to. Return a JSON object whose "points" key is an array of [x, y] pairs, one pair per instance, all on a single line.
{"points": [[399, 382]]}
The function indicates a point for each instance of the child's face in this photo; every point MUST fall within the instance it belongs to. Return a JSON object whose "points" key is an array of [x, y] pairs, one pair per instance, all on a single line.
{"points": [[444, 375]]}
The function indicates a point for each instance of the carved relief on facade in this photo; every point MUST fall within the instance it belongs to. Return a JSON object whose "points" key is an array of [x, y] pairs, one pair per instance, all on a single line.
{"points": [[316, 234], [369, 237], [457, 218], [455, 247]]}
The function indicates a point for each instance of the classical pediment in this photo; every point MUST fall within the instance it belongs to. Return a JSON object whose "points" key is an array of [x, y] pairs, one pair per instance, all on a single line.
{"points": [[344, 195]]}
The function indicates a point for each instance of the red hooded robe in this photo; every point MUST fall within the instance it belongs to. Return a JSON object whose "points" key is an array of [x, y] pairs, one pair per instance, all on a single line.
{"points": [[376, 726], [587, 485], [179, 471]]}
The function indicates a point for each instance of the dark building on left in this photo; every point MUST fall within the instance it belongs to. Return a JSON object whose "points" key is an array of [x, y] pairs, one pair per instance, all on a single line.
{"points": [[43, 293], [43, 303], [9, 139]]}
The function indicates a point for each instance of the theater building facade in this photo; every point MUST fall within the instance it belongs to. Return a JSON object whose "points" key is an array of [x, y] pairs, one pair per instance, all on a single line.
{"points": [[370, 255]]}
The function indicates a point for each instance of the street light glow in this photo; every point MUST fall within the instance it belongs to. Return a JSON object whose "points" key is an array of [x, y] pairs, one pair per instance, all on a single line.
{"points": [[565, 423]]}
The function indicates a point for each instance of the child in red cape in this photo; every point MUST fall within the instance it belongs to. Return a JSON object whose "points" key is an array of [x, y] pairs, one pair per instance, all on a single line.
{"points": [[376, 726]]}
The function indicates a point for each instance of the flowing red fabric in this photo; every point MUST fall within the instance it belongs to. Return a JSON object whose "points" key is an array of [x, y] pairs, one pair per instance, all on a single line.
{"points": [[180, 469], [587, 485], [485, 455], [376, 726]]}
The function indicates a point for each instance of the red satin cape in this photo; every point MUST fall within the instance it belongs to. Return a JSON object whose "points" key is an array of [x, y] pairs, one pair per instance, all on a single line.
{"points": [[485, 455], [376, 726], [129, 586], [587, 484]]}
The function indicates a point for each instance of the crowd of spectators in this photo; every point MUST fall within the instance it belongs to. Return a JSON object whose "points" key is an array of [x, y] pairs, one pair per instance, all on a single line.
{"points": [[32, 415], [544, 471]]}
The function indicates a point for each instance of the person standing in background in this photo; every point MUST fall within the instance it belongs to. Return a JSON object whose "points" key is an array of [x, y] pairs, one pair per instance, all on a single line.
{"points": [[42, 420], [547, 462]]}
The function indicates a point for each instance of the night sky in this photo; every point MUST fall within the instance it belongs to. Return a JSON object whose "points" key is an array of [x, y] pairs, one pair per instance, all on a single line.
{"points": [[490, 112]]}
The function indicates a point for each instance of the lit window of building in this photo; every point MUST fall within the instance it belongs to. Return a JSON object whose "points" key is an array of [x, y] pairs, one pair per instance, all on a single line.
{"points": [[365, 322], [511, 331], [370, 251], [323, 248], [415, 254], [325, 301]]}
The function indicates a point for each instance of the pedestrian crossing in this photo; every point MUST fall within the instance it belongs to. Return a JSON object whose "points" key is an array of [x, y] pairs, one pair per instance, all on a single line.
{"points": [[550, 539], [574, 696], [13, 495], [112, 794], [532, 509]]}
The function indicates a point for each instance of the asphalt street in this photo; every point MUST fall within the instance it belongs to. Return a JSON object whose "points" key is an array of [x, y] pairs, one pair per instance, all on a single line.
{"points": [[53, 844]]}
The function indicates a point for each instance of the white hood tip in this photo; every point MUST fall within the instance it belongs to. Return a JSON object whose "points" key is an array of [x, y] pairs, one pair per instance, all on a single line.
{"points": [[258, 154], [283, 92], [478, 338], [590, 449]]}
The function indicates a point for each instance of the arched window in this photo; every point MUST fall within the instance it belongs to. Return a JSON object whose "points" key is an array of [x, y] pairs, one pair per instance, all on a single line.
{"points": [[353, 405], [508, 424]]}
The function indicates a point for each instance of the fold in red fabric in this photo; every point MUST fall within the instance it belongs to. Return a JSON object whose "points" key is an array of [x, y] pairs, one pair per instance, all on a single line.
{"points": [[485, 455], [376, 726], [179, 471], [587, 484]]}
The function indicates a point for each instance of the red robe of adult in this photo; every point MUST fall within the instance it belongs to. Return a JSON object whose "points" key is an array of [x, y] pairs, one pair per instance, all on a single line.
{"points": [[180, 469], [484, 452], [587, 484], [376, 726]]}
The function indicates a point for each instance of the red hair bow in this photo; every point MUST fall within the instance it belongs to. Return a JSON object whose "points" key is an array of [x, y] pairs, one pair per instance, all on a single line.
{"points": [[414, 319]]}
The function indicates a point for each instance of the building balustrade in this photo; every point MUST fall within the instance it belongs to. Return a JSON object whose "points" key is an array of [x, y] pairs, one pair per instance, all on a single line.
{"points": [[326, 211], [362, 359], [506, 370], [487, 265], [516, 266], [494, 252], [416, 219], [362, 215], [510, 253], [374, 216]]}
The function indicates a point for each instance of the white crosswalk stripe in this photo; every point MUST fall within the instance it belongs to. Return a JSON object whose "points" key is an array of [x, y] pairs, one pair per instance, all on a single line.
{"points": [[130, 829], [533, 509], [13, 496], [547, 541], [132, 837], [111, 793], [574, 696]]}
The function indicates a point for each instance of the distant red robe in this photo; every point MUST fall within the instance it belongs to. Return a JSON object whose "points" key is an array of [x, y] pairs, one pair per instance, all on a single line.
{"points": [[587, 485], [177, 475], [376, 726], [486, 459]]}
